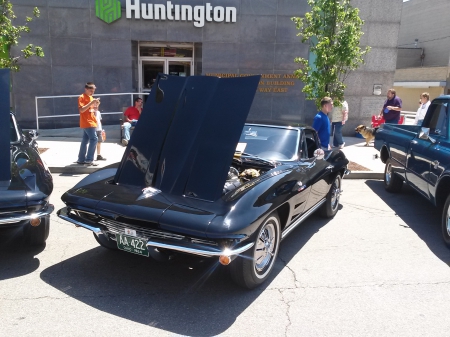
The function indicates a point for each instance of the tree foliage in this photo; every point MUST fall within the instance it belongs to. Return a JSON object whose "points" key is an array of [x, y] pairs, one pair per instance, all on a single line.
{"points": [[10, 35], [333, 30]]}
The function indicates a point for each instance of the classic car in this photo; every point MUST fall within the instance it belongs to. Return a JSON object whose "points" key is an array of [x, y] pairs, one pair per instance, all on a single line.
{"points": [[25, 183], [195, 179]]}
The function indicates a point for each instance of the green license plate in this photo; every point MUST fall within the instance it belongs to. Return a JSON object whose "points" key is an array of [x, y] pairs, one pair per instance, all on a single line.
{"points": [[132, 244]]}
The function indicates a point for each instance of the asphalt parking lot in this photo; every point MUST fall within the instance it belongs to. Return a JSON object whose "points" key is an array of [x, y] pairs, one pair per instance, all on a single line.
{"points": [[379, 268]]}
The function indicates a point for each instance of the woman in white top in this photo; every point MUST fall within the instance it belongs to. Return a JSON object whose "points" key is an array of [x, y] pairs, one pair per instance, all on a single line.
{"points": [[423, 108]]}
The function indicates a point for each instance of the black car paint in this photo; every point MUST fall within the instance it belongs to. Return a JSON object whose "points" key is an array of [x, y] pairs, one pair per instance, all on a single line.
{"points": [[30, 185]]}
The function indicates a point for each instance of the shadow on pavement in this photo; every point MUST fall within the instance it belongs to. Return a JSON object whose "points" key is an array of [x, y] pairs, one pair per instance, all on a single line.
{"points": [[16, 258], [418, 214], [189, 297]]}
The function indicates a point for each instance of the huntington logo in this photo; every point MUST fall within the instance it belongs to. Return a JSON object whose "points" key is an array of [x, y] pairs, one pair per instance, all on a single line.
{"points": [[108, 10]]}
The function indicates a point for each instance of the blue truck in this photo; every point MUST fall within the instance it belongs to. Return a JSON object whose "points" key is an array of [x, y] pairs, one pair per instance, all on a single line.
{"points": [[420, 157]]}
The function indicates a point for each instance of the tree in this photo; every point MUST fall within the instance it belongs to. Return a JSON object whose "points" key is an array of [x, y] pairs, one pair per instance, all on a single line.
{"points": [[333, 30], [10, 35]]}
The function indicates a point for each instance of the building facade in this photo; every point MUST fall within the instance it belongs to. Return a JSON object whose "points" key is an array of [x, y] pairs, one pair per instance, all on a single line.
{"points": [[424, 51], [122, 45]]}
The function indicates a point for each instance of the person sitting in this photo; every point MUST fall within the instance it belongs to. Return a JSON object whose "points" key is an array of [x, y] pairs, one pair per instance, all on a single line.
{"points": [[131, 116]]}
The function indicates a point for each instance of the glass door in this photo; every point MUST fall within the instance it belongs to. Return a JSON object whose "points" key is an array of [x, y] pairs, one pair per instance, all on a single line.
{"points": [[149, 72], [179, 68]]}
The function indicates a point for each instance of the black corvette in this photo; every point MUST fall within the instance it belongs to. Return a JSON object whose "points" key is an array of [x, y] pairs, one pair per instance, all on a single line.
{"points": [[195, 179], [25, 183]]}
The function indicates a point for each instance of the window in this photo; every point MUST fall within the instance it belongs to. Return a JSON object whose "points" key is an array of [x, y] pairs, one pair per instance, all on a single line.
{"points": [[437, 119]]}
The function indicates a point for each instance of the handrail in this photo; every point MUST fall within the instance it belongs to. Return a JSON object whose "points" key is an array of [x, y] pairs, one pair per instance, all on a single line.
{"points": [[74, 115]]}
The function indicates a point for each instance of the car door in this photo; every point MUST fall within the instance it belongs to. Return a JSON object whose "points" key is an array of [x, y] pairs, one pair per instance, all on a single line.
{"points": [[424, 162]]}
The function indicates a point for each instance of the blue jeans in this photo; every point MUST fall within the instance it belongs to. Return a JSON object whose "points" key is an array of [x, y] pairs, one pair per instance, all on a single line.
{"points": [[126, 129], [89, 136], [419, 122], [337, 134]]}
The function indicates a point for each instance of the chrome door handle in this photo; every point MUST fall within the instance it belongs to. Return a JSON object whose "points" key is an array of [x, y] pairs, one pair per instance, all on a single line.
{"points": [[435, 164], [414, 142]]}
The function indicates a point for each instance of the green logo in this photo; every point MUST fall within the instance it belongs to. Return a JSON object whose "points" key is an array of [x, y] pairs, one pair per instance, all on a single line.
{"points": [[108, 10]]}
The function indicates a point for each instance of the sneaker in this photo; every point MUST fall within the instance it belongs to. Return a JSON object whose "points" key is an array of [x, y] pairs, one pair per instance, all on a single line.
{"points": [[100, 157], [90, 164], [125, 142], [80, 162], [342, 146]]}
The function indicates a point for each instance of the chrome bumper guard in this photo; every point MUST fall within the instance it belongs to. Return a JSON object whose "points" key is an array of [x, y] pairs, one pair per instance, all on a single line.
{"points": [[183, 247], [23, 217]]}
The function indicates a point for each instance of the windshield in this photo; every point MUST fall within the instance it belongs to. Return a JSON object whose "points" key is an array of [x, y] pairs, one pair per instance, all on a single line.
{"points": [[276, 143]]}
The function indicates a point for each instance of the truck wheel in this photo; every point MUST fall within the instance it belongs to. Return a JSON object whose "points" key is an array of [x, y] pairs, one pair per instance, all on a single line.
{"points": [[331, 205], [446, 222], [392, 182], [36, 236], [254, 267]]}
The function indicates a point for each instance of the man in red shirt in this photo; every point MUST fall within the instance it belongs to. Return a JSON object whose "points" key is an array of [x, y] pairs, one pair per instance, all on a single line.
{"points": [[88, 123], [131, 116]]}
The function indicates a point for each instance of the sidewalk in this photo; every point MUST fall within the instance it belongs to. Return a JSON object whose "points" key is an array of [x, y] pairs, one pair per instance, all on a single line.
{"points": [[62, 148]]}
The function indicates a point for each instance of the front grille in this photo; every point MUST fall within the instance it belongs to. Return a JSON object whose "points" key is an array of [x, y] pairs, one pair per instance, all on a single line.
{"points": [[115, 227]]}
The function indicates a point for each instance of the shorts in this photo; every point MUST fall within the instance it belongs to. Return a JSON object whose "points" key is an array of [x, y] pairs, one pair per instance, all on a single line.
{"points": [[99, 136]]}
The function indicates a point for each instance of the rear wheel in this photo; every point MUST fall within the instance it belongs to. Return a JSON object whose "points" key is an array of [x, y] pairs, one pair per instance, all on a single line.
{"points": [[105, 241], [254, 267], [446, 222], [392, 182], [36, 236], [331, 205]]}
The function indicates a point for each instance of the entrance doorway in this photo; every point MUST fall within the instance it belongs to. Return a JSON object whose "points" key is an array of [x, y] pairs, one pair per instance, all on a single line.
{"points": [[174, 60]]}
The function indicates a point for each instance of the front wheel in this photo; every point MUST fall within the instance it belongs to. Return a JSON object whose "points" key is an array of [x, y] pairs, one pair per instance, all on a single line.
{"points": [[331, 205], [392, 182], [254, 267], [446, 222]]}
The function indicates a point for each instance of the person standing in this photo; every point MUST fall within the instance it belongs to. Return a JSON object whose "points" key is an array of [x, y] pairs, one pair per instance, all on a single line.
{"points": [[99, 131], [423, 108], [131, 116], [338, 119], [88, 124], [391, 108], [321, 122]]}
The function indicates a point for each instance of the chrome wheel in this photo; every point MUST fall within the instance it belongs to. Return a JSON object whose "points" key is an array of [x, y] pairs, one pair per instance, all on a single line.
{"points": [[265, 248], [447, 219], [446, 222], [388, 174], [392, 181], [335, 193]]}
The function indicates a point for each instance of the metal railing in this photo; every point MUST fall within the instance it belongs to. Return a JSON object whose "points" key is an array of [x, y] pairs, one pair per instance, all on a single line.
{"points": [[75, 115], [408, 117]]}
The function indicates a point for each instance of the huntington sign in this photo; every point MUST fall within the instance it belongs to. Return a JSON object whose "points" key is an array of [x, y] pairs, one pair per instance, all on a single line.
{"points": [[108, 10], [198, 14]]}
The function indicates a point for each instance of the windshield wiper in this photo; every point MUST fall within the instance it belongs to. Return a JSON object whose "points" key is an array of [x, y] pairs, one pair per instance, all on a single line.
{"points": [[258, 159]]}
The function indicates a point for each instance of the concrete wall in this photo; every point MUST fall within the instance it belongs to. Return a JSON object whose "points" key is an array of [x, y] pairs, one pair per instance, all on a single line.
{"points": [[428, 22], [79, 48], [410, 96]]}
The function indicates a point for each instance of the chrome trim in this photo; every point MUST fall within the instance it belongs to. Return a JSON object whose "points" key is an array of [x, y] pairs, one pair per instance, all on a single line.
{"points": [[64, 214], [347, 172], [13, 219], [206, 251], [302, 218]]}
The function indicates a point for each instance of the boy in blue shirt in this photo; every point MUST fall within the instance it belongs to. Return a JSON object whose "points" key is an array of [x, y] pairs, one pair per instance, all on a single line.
{"points": [[321, 122]]}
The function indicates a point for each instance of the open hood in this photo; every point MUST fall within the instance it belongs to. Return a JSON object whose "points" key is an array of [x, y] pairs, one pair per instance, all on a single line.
{"points": [[5, 152], [186, 136]]}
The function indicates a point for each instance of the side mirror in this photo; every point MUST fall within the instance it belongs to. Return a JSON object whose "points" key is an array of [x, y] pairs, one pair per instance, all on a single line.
{"points": [[319, 154], [425, 134]]}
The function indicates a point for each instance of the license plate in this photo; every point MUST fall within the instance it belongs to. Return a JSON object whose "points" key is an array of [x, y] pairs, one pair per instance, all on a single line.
{"points": [[132, 244]]}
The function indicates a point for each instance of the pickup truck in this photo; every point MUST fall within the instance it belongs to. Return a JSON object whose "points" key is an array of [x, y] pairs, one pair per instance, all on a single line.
{"points": [[420, 157]]}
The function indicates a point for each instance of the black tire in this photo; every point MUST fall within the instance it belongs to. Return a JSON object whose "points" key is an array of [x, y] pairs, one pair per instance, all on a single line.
{"points": [[446, 222], [392, 182], [105, 242], [36, 236], [331, 205], [245, 270]]}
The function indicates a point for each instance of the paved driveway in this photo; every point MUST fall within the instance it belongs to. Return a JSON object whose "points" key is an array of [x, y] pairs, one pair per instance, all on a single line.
{"points": [[379, 268]]}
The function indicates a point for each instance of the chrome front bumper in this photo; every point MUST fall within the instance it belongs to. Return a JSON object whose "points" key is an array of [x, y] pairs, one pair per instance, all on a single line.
{"points": [[23, 217], [183, 247]]}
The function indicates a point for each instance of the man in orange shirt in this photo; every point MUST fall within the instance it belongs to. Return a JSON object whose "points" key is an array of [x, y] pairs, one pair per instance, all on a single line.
{"points": [[88, 123]]}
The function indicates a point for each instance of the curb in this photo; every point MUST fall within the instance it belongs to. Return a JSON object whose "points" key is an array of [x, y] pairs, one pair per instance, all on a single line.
{"points": [[365, 175]]}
